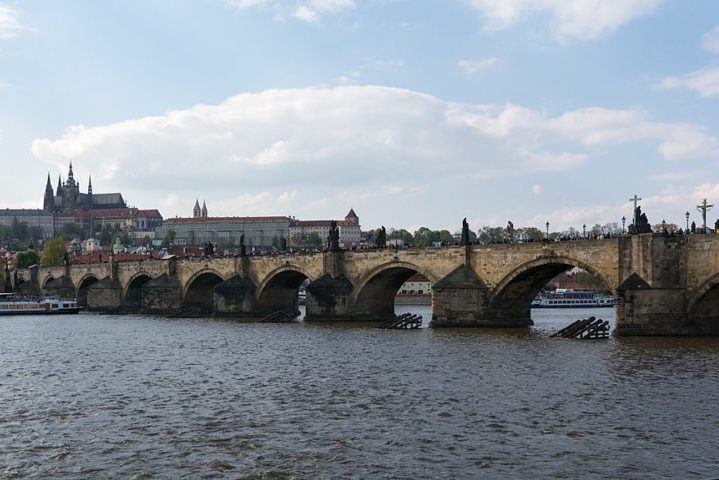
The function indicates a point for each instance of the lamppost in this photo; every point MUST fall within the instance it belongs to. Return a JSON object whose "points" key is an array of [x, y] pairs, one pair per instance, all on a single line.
{"points": [[687, 215], [584, 231], [547, 225], [624, 222]]}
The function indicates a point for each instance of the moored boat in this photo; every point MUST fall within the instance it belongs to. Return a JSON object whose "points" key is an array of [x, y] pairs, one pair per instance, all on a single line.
{"points": [[11, 304], [565, 298]]}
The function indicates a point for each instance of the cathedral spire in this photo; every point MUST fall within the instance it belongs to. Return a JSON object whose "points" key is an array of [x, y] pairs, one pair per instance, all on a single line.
{"points": [[58, 191], [204, 209], [89, 186], [196, 209], [70, 177], [49, 199]]}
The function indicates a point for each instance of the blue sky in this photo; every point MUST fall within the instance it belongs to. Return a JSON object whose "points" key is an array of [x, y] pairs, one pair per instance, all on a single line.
{"points": [[412, 112]]}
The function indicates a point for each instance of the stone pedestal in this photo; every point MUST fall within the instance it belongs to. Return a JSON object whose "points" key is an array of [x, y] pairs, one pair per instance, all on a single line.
{"points": [[235, 297]]}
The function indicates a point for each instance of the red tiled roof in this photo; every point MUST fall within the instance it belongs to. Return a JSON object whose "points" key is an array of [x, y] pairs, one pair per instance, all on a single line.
{"points": [[152, 213], [321, 223], [225, 219], [110, 213]]}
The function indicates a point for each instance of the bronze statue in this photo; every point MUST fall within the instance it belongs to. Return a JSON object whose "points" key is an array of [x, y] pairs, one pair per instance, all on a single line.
{"points": [[381, 240], [510, 230], [243, 249], [465, 233], [333, 237]]}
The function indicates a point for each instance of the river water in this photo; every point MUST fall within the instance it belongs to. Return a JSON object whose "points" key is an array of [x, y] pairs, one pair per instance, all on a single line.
{"points": [[92, 396]]}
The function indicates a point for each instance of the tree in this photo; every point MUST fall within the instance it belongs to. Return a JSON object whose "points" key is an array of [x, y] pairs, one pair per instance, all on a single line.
{"points": [[26, 259], [169, 238], [73, 230], [487, 235], [105, 237], [531, 234], [671, 227], [53, 253]]}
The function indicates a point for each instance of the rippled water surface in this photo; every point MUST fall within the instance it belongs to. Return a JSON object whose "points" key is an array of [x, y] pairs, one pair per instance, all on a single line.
{"points": [[92, 396]]}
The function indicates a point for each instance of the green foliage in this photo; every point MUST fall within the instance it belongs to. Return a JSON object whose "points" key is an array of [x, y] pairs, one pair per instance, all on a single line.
{"points": [[671, 227], [590, 281], [53, 253], [18, 235], [105, 237], [73, 230], [169, 238], [311, 241], [487, 235], [26, 259]]}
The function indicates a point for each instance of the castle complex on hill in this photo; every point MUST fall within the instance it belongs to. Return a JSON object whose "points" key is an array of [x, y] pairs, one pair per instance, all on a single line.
{"points": [[90, 211], [94, 212]]}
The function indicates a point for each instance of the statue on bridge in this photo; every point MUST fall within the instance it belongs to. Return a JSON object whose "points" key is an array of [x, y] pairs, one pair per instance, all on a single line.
{"points": [[716, 226], [510, 230], [641, 223], [66, 259], [694, 227], [209, 249], [381, 240], [243, 249], [333, 238], [465, 233], [283, 244]]}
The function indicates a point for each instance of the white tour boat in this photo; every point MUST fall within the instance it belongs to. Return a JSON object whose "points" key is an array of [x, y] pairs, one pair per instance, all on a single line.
{"points": [[12, 304], [566, 298]]}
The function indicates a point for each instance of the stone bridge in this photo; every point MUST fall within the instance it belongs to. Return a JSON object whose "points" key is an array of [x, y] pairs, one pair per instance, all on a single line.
{"points": [[663, 285]]}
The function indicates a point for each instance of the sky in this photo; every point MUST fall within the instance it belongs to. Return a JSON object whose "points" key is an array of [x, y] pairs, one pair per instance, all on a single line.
{"points": [[412, 112]]}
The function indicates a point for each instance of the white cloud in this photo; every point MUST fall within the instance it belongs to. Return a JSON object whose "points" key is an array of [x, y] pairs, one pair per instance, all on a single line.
{"points": [[369, 66], [471, 67], [705, 81], [710, 40], [308, 10], [584, 19], [9, 22], [392, 141], [537, 189]]}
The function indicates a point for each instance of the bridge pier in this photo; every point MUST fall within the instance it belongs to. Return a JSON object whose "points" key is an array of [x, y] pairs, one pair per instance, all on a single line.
{"points": [[104, 295], [162, 295], [329, 299], [60, 287], [235, 297]]}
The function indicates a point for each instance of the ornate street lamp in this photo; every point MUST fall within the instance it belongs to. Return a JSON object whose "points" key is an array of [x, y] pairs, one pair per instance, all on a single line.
{"points": [[584, 231], [547, 225], [687, 215], [624, 222]]}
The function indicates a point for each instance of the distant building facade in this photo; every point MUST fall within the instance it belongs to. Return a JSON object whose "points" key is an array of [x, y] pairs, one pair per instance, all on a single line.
{"points": [[417, 284], [260, 233], [349, 229], [32, 218]]}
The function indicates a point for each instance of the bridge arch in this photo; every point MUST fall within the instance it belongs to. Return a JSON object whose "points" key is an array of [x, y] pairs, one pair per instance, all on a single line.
{"points": [[132, 293], [82, 286], [373, 296], [703, 304], [48, 278], [198, 292], [279, 289], [510, 300]]}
